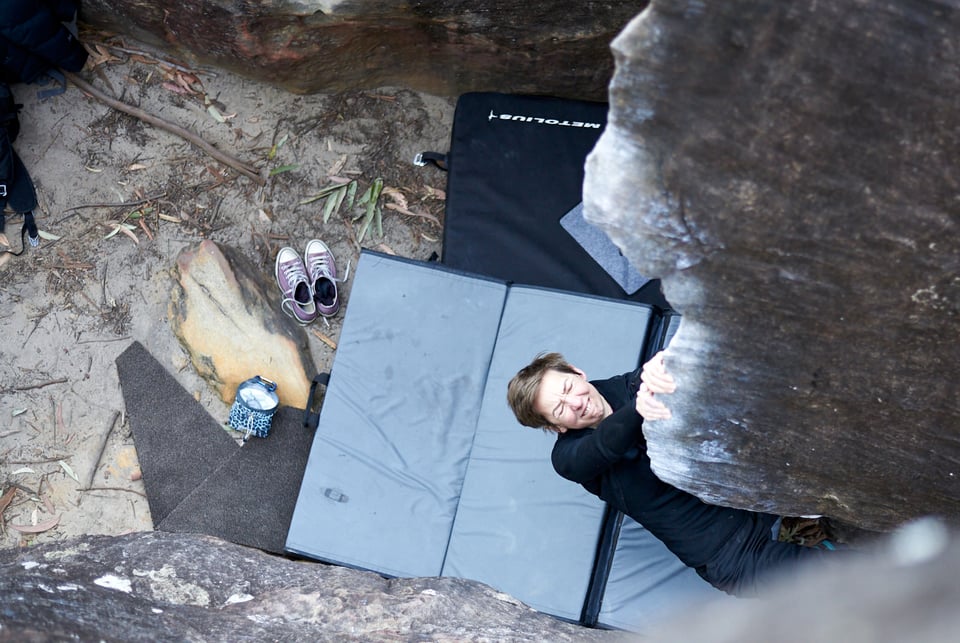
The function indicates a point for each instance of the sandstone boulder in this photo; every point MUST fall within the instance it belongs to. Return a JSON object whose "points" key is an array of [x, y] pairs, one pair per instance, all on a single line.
{"points": [[788, 170], [232, 329], [182, 587], [446, 47]]}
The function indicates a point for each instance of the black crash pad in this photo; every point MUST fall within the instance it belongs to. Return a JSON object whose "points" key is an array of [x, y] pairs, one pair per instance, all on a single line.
{"points": [[516, 167]]}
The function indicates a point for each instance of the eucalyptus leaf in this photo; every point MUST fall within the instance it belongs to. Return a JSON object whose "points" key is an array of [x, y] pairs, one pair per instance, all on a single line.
{"points": [[276, 148], [329, 206], [341, 195], [351, 194], [215, 113], [363, 230], [376, 188], [366, 195], [68, 469], [324, 191], [283, 168]]}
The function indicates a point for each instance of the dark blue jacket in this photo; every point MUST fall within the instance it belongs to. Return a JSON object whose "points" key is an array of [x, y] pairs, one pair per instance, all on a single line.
{"points": [[33, 39]]}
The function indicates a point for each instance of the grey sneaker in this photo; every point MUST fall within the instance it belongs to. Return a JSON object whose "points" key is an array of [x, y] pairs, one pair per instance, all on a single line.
{"points": [[292, 279], [322, 274]]}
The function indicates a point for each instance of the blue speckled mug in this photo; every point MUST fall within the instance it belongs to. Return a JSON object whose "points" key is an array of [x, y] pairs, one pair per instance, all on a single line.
{"points": [[253, 407]]}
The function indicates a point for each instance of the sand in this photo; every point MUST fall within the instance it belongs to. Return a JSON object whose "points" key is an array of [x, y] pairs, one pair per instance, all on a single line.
{"points": [[69, 307]]}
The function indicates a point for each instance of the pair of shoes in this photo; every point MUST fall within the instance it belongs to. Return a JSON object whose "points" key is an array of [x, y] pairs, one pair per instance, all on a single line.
{"points": [[309, 285]]}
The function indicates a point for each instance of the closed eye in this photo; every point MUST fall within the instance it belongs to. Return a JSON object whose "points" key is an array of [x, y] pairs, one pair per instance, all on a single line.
{"points": [[558, 409]]}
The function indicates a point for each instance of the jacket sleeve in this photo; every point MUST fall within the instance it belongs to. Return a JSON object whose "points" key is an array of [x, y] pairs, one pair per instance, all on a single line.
{"points": [[36, 41], [582, 459]]}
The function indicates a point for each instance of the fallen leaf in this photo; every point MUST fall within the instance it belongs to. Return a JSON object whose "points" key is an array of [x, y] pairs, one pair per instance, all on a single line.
{"points": [[66, 467], [396, 196], [17, 412], [276, 148], [215, 113], [125, 228], [23, 470], [387, 249], [175, 88], [100, 55], [95, 170], [335, 169], [39, 527], [7, 498], [187, 81], [283, 168], [435, 193], [49, 236], [146, 230], [61, 427], [48, 505], [128, 230], [324, 191], [133, 167], [412, 213], [171, 219]]}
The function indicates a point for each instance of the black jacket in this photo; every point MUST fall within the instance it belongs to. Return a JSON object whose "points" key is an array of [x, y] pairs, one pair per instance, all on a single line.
{"points": [[732, 549], [611, 461], [33, 39]]}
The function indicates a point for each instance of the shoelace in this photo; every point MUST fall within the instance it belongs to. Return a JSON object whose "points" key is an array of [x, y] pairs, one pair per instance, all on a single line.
{"points": [[320, 265], [287, 306], [293, 276]]}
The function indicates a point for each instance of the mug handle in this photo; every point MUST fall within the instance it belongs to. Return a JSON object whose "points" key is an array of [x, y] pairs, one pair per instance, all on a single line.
{"points": [[269, 384]]}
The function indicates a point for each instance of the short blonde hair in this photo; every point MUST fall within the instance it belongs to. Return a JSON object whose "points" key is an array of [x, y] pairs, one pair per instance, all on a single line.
{"points": [[523, 388]]}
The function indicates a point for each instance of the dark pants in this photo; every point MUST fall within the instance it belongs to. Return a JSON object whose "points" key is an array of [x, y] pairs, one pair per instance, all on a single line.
{"points": [[752, 558]]}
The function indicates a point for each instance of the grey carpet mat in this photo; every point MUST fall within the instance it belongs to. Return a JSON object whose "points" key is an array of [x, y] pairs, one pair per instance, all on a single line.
{"points": [[178, 443], [197, 478], [249, 499]]}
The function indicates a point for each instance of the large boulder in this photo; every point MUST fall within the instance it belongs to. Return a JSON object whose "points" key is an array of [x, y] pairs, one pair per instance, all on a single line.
{"points": [[789, 171], [445, 47], [182, 587], [232, 327]]}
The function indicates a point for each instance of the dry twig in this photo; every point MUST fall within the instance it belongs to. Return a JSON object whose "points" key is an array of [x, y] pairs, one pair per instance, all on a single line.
{"points": [[247, 170]]}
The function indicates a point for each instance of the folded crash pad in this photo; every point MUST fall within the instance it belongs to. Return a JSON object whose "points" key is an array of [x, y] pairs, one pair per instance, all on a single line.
{"points": [[418, 467]]}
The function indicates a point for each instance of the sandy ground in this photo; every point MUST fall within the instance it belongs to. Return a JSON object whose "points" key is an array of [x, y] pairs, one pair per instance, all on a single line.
{"points": [[71, 306]]}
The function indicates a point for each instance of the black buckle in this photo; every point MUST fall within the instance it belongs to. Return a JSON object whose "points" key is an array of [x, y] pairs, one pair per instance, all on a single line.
{"points": [[311, 417]]}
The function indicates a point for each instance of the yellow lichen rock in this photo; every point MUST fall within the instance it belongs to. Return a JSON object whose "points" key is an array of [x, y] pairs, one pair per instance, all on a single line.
{"points": [[222, 314]]}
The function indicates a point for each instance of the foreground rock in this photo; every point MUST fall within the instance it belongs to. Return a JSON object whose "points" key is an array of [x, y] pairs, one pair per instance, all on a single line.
{"points": [[444, 47], [233, 329], [788, 170], [163, 587], [906, 590]]}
